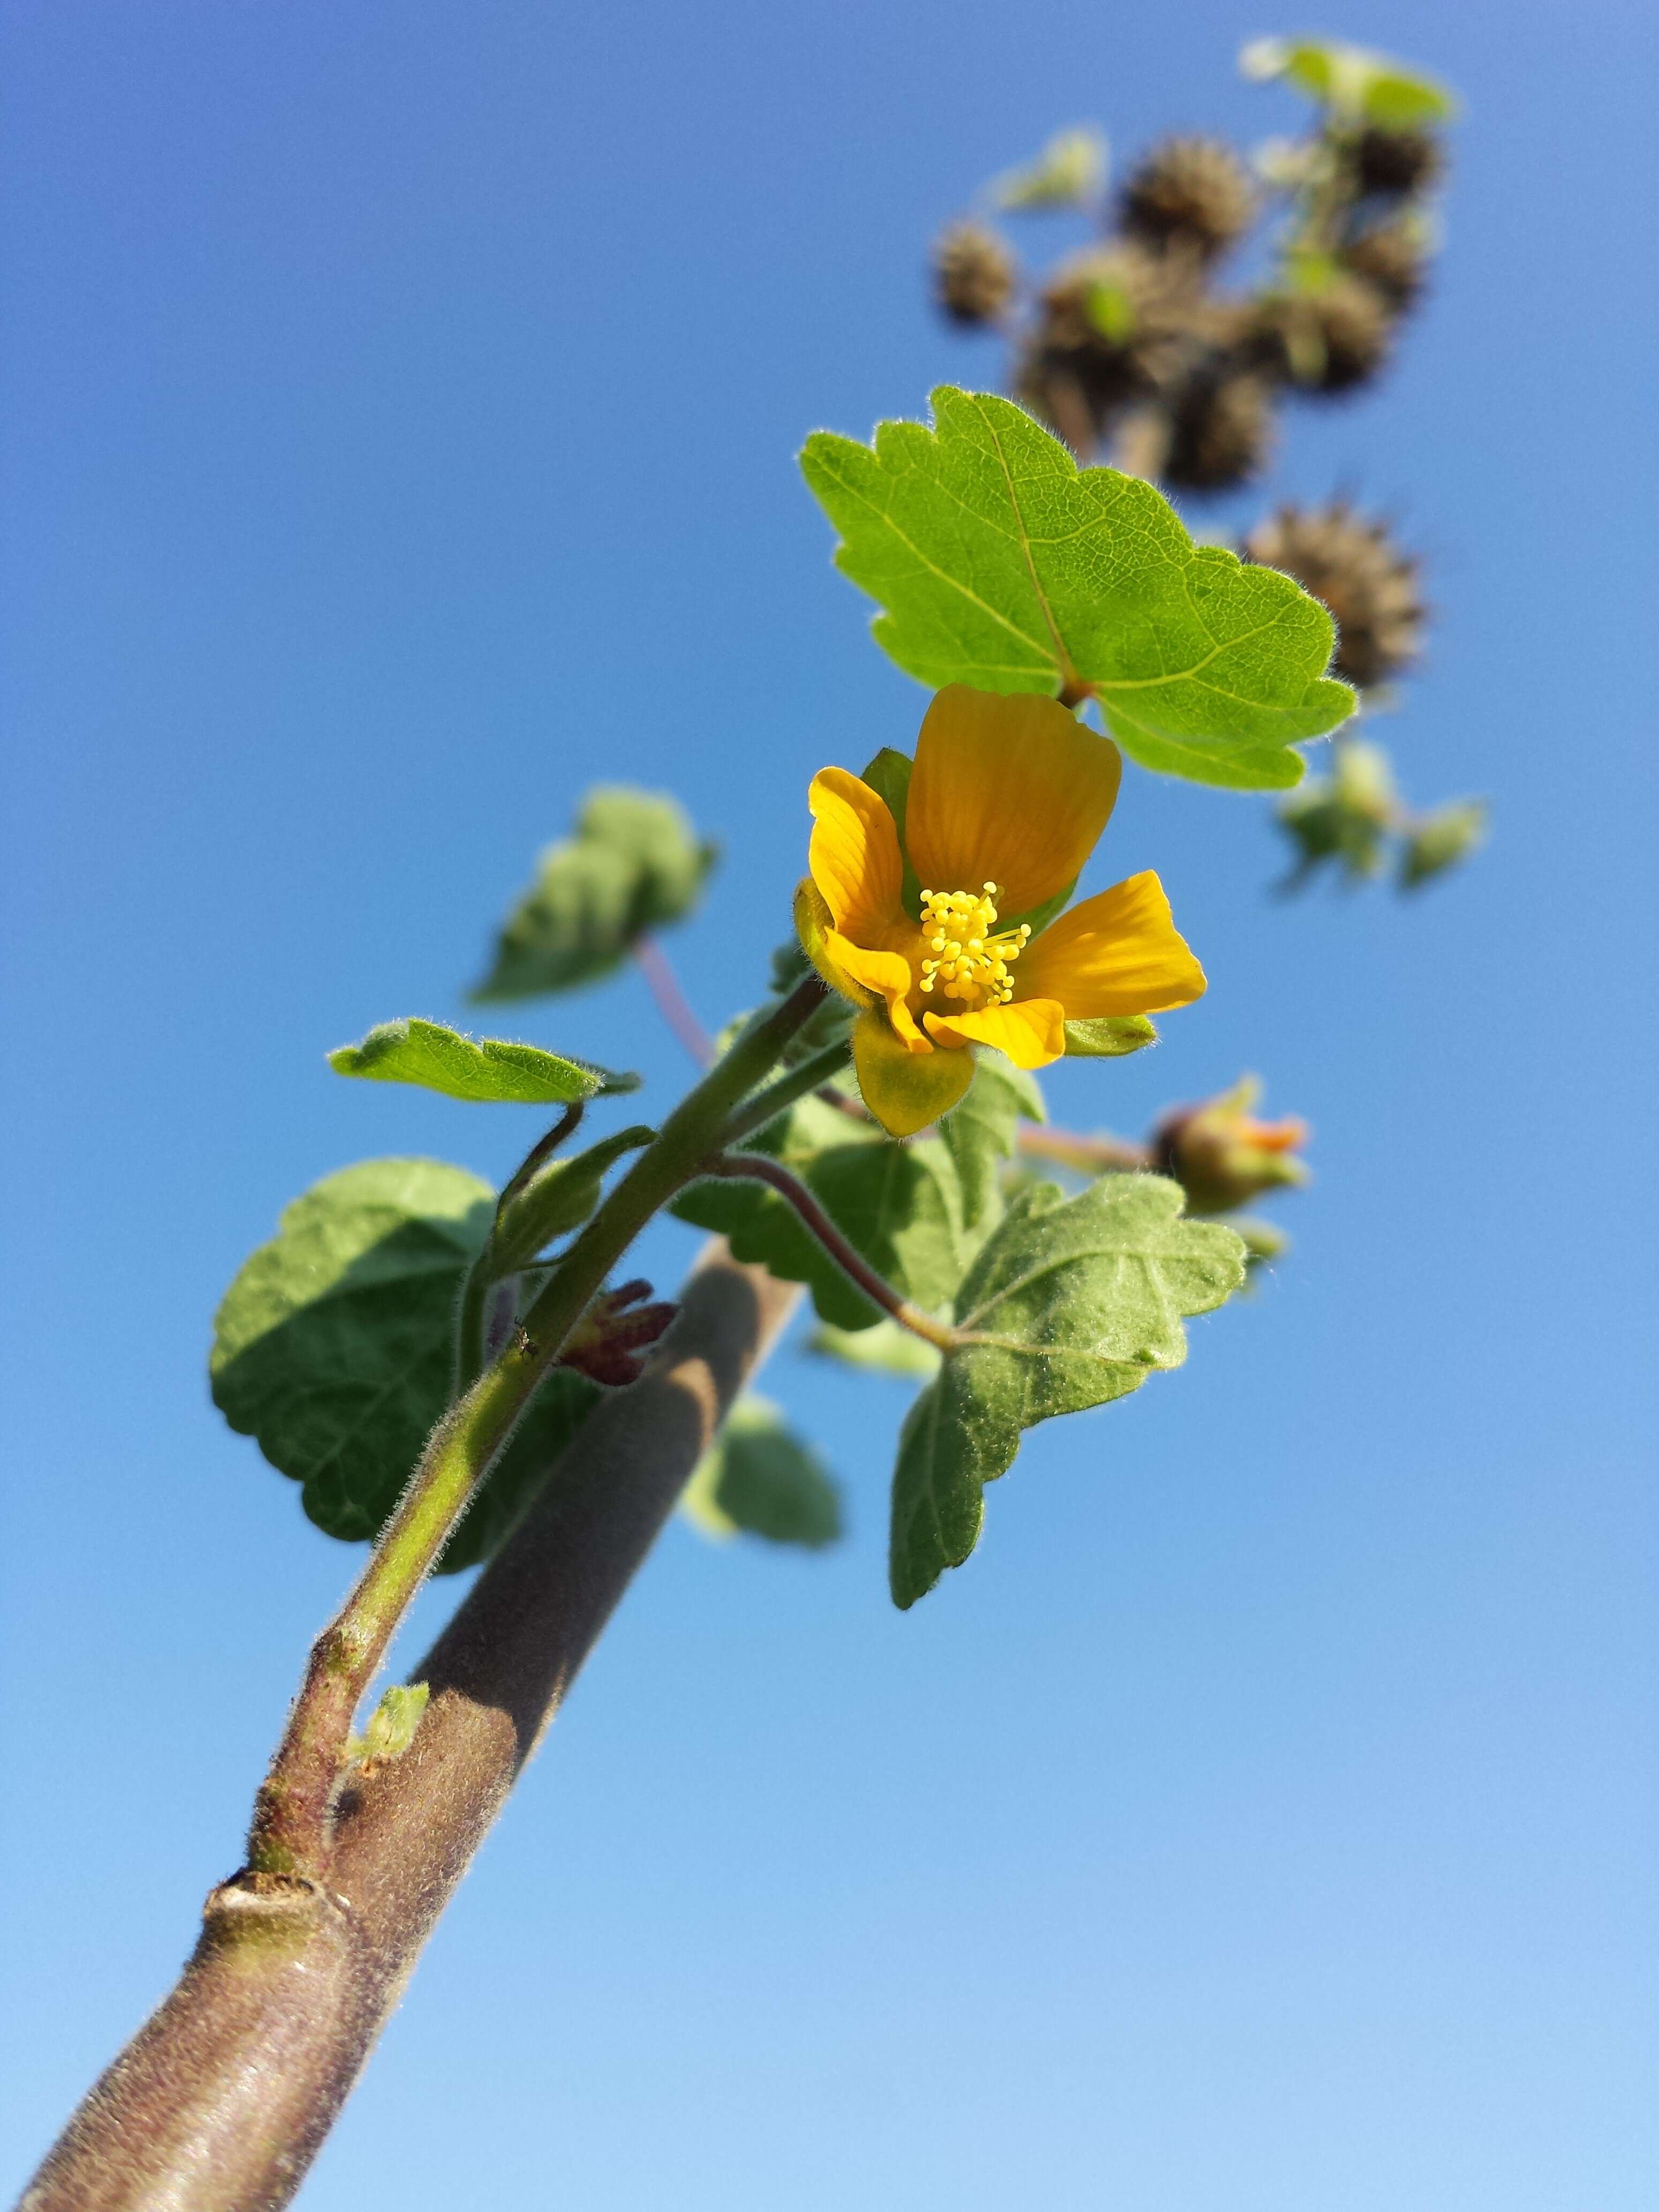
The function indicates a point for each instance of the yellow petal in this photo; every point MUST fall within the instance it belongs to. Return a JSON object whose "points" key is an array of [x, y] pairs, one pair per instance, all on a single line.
{"points": [[878, 976], [815, 926], [1031, 1031], [906, 1090], [1008, 791], [854, 855], [1118, 953]]}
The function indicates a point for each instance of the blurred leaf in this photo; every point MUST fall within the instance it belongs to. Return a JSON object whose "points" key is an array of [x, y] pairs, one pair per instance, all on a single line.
{"points": [[1346, 816], [486, 1069], [1072, 1303], [1443, 839], [1068, 172], [334, 1348], [1000, 563], [1108, 1037], [886, 1349], [635, 865], [760, 1477], [1353, 79]]}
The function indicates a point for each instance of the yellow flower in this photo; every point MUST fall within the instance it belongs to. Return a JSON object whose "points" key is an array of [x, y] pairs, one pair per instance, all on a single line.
{"points": [[1006, 801]]}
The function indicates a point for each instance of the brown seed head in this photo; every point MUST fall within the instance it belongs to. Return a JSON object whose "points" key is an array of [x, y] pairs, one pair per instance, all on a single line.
{"points": [[1220, 433], [1397, 160], [1330, 340], [1392, 257], [1190, 192], [973, 273], [1353, 565]]}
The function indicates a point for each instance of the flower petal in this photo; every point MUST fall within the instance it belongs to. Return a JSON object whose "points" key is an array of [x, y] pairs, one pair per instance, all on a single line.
{"points": [[906, 1090], [1031, 1031], [1010, 791], [854, 855], [1117, 953], [884, 973]]}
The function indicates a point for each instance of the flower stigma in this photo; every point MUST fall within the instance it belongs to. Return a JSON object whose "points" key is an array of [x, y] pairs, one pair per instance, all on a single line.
{"points": [[970, 957]]}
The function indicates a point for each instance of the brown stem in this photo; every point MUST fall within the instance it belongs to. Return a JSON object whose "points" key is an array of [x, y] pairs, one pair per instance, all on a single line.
{"points": [[1089, 1155], [1141, 446], [759, 1167], [220, 2101], [671, 1002]]}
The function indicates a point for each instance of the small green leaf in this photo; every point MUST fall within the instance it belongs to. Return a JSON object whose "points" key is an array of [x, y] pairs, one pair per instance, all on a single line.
{"points": [[886, 1349], [635, 865], [980, 1136], [487, 1069], [391, 1727], [1443, 839], [1001, 564], [334, 1348], [1108, 1037], [759, 1476], [1351, 80], [1068, 172], [1072, 1303]]}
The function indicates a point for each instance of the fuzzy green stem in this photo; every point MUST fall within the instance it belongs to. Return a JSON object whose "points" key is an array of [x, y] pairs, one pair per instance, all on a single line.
{"points": [[812, 1074], [290, 1834], [759, 1167]]}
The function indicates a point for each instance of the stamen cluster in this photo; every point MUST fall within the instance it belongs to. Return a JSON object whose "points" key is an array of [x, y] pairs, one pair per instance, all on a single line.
{"points": [[970, 955]]}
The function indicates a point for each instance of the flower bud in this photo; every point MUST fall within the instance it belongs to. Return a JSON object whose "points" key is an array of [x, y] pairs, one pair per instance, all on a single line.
{"points": [[973, 274], [608, 1341], [1222, 1156], [1443, 839]]}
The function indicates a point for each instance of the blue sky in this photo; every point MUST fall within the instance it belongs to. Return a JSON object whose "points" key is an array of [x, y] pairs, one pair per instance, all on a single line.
{"points": [[396, 408]]}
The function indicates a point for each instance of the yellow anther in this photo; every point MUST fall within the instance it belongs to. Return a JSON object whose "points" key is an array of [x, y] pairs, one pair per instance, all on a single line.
{"points": [[960, 926]]}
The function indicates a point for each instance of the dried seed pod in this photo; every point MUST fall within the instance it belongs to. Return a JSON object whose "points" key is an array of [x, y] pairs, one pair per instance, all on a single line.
{"points": [[973, 273], [1330, 338], [1114, 327], [1220, 433], [1188, 192], [1392, 257], [1397, 160], [1353, 565]]}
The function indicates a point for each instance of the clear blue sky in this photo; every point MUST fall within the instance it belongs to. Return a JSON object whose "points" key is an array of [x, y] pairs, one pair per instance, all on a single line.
{"points": [[397, 407]]}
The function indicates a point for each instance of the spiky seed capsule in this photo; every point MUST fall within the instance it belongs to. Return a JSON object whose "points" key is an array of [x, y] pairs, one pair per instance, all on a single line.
{"points": [[1330, 340], [1193, 192], [1369, 585], [1392, 258], [973, 273], [1397, 160], [1116, 326], [1220, 434]]}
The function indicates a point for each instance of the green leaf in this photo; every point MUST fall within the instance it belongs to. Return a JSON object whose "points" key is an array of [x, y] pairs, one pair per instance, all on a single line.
{"points": [[899, 1205], [488, 1069], [635, 865], [1068, 172], [887, 1349], [1353, 79], [334, 1348], [1003, 565], [760, 1477], [979, 1135], [1072, 1303], [1108, 1037], [1443, 839]]}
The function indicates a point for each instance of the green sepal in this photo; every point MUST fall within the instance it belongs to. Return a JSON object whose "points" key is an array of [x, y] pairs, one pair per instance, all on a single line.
{"points": [[760, 1478], [487, 1070], [1108, 1037], [888, 775], [1072, 1303], [559, 1197]]}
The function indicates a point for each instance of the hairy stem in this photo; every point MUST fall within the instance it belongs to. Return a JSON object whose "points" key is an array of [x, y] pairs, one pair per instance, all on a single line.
{"points": [[758, 1167], [220, 2101], [766, 1106], [290, 1834], [1088, 1155]]}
